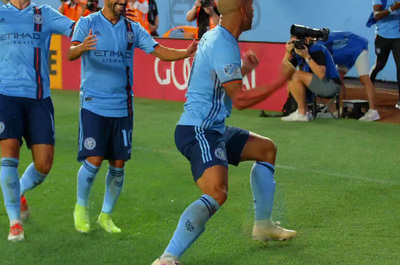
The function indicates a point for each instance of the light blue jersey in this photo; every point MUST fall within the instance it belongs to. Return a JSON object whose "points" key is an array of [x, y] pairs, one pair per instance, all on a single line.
{"points": [[345, 47], [388, 27], [217, 63], [24, 48], [106, 73]]}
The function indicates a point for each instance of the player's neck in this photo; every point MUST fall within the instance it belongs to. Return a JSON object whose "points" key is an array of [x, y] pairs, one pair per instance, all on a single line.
{"points": [[111, 16], [20, 4], [231, 25]]}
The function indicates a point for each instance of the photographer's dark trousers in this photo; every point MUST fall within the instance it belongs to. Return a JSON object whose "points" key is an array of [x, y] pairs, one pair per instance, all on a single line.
{"points": [[383, 47]]}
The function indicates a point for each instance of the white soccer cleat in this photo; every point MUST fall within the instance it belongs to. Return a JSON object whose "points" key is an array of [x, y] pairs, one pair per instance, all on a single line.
{"points": [[269, 231], [296, 116], [16, 233], [166, 261], [371, 115]]}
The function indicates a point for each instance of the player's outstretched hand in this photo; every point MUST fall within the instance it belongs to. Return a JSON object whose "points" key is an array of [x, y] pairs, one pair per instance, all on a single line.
{"points": [[90, 42], [250, 61], [192, 49]]}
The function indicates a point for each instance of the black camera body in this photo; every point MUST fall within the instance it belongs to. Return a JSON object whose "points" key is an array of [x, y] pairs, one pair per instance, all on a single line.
{"points": [[205, 3], [303, 32]]}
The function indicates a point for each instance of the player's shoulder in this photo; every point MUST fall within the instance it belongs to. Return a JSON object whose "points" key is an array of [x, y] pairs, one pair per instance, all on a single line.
{"points": [[220, 38], [135, 25]]}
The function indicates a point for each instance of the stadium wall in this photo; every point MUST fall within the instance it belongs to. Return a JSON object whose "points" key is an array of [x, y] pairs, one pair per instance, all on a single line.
{"points": [[169, 80]]}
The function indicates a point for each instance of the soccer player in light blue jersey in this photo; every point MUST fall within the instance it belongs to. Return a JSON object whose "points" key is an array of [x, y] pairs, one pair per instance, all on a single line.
{"points": [[26, 109], [202, 137], [106, 41]]}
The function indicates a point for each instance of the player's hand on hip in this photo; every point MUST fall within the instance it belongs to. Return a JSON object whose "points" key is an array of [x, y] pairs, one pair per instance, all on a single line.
{"points": [[90, 42], [192, 49], [396, 5], [250, 61]]}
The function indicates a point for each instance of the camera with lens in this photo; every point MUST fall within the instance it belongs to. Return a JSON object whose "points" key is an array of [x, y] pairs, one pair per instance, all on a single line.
{"points": [[91, 5], [302, 32], [205, 3]]}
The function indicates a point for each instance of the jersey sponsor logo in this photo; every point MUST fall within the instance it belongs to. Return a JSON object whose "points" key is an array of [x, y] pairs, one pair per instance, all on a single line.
{"points": [[90, 143], [219, 153], [17, 36], [130, 37], [2, 127], [38, 19], [106, 53]]}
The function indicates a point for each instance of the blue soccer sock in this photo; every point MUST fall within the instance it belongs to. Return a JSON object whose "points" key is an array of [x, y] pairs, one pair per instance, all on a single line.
{"points": [[10, 187], [114, 182], [191, 225], [263, 186], [30, 179], [86, 175]]}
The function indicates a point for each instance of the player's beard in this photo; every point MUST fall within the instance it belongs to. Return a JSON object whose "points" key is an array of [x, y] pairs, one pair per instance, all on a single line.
{"points": [[118, 8]]}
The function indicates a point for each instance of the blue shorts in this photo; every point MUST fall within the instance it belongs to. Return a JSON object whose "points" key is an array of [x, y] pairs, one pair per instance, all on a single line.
{"points": [[32, 119], [110, 138], [207, 148]]}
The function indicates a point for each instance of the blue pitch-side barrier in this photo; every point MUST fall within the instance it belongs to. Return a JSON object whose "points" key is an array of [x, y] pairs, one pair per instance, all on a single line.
{"points": [[273, 19]]}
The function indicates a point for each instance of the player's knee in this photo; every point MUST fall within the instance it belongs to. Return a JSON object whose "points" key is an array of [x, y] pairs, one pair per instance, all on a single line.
{"points": [[268, 151], [95, 161], [44, 167], [220, 194]]}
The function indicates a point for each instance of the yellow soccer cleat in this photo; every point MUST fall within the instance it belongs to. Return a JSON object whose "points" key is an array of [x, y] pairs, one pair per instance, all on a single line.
{"points": [[81, 219], [267, 230], [107, 223]]}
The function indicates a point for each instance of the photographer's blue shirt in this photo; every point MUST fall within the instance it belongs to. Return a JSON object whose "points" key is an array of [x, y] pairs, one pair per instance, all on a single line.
{"points": [[388, 27], [106, 73], [345, 47], [321, 56], [217, 63], [24, 48]]}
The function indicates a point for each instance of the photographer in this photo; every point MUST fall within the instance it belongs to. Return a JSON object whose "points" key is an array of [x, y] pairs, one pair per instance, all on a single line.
{"points": [[138, 11], [153, 18], [73, 9], [317, 73], [93, 6], [206, 14]]}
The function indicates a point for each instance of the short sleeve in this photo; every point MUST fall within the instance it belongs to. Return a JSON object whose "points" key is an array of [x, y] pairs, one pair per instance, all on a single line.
{"points": [[144, 41], [377, 2], [226, 62], [81, 31], [318, 57], [60, 24]]}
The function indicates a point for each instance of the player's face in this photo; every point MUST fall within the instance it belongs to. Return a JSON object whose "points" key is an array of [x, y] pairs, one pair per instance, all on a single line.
{"points": [[118, 7], [248, 14]]}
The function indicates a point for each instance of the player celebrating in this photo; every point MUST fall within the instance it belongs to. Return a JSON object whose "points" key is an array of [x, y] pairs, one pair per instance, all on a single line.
{"points": [[106, 40], [201, 135], [26, 109]]}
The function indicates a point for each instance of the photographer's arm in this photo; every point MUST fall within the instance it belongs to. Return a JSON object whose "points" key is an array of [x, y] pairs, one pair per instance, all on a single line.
{"points": [[318, 68], [191, 15], [380, 13]]}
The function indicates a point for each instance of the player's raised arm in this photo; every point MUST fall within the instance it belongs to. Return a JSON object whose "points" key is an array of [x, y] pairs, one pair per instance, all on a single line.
{"points": [[171, 54], [244, 99], [78, 48]]}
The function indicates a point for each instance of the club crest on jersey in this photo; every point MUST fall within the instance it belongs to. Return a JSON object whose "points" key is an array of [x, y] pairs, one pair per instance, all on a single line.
{"points": [[220, 154], [38, 19], [90, 143], [2, 127], [130, 37]]}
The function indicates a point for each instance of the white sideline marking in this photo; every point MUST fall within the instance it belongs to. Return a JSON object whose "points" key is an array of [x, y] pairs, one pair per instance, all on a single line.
{"points": [[321, 172]]}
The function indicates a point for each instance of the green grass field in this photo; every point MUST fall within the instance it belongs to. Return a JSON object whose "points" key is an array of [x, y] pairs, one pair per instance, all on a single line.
{"points": [[338, 185]]}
